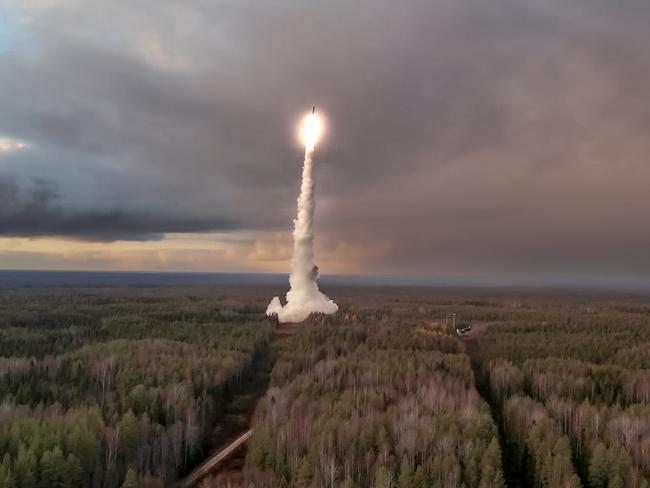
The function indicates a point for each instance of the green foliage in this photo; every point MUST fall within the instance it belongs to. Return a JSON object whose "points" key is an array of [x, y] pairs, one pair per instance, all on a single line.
{"points": [[362, 402], [25, 467], [406, 472], [599, 467], [53, 469], [581, 364], [131, 479], [94, 383], [7, 479], [125, 386]]}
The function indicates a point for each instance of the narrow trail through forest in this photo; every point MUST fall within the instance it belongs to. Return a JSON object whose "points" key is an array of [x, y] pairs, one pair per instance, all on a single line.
{"points": [[515, 478], [238, 415]]}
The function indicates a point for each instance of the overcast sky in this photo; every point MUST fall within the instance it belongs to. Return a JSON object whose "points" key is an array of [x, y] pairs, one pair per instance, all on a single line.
{"points": [[467, 140]]}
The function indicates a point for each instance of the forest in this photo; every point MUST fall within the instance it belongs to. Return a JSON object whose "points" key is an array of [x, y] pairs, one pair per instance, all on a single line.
{"points": [[117, 389], [583, 372], [358, 402], [549, 389], [124, 386]]}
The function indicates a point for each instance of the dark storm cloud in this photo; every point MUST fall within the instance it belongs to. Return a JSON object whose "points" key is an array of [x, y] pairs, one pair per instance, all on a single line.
{"points": [[467, 137], [35, 211]]}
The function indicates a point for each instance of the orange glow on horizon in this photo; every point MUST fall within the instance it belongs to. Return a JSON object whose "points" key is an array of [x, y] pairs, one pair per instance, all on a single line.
{"points": [[202, 252]]}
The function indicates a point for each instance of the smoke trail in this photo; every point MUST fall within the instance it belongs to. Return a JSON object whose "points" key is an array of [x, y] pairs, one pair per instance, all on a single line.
{"points": [[304, 297]]}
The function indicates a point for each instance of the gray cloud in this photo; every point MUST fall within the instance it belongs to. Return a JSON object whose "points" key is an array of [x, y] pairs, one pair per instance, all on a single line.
{"points": [[35, 211], [502, 138]]}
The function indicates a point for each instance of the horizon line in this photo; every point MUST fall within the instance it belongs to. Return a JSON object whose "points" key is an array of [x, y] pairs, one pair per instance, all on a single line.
{"points": [[371, 279]]}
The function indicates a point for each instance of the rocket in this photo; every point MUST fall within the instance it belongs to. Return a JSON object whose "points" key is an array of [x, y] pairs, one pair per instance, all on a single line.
{"points": [[313, 109]]}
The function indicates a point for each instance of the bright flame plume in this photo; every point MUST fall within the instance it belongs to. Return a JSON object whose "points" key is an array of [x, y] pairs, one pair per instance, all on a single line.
{"points": [[311, 130]]}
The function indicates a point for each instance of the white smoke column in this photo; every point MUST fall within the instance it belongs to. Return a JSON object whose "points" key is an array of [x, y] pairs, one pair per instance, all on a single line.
{"points": [[304, 297]]}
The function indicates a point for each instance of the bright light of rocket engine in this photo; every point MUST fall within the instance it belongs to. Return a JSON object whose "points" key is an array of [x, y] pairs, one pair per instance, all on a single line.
{"points": [[311, 130]]}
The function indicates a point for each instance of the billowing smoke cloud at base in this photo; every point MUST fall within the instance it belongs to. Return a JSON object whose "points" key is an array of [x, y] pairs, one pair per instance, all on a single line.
{"points": [[304, 297]]}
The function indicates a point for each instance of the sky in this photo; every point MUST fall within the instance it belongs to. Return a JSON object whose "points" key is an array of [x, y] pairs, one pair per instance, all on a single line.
{"points": [[467, 141]]}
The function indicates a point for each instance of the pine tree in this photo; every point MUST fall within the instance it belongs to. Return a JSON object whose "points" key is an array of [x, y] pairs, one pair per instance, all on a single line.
{"points": [[73, 471], [599, 467], [131, 480], [129, 433], [562, 466], [304, 473], [25, 468], [491, 464], [53, 469], [382, 478], [499, 481], [7, 479], [405, 479], [616, 482], [420, 477], [84, 441], [620, 462]]}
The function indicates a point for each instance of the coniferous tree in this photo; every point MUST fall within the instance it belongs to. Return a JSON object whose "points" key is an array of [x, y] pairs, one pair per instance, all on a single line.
{"points": [[406, 473], [304, 473], [73, 471], [491, 473], [25, 468], [383, 478], [131, 480], [53, 469], [599, 467], [7, 479]]}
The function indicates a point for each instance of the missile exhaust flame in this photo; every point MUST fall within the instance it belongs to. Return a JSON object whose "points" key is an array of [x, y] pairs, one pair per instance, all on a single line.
{"points": [[304, 297]]}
